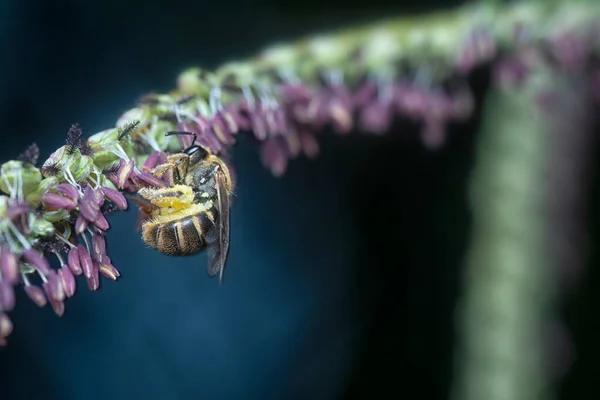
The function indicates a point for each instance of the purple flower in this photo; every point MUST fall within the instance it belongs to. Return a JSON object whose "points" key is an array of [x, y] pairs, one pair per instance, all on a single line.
{"points": [[74, 263], [66, 197], [7, 296], [107, 269], [9, 268], [479, 47], [376, 116], [6, 328], [36, 294], [21, 257], [125, 171], [330, 105], [224, 127], [571, 50], [67, 279], [115, 197], [274, 155]]}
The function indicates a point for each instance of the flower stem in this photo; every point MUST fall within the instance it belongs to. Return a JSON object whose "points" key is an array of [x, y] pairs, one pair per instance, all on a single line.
{"points": [[522, 208]]}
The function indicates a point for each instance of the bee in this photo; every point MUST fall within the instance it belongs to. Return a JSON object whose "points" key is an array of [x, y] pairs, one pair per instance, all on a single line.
{"points": [[192, 214]]}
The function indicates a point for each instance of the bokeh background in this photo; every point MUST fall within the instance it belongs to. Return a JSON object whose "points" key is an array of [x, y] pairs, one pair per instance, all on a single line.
{"points": [[343, 275]]}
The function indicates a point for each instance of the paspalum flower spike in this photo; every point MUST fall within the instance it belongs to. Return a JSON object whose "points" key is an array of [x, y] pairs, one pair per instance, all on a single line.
{"points": [[356, 80]]}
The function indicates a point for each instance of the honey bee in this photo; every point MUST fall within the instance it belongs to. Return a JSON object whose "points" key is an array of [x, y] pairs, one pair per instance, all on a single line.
{"points": [[193, 213]]}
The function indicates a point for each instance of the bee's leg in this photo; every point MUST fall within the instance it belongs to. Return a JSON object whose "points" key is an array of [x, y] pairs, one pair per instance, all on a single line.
{"points": [[174, 197], [167, 170], [144, 205], [147, 209]]}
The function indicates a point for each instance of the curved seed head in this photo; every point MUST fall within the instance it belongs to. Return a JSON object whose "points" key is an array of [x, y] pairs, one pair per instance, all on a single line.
{"points": [[99, 243], [36, 259], [116, 197], [6, 328], [125, 171], [81, 225], [58, 307], [9, 266], [53, 287], [94, 279], [68, 280], [68, 190], [7, 296], [101, 223], [85, 261], [108, 270], [73, 259], [36, 294]]}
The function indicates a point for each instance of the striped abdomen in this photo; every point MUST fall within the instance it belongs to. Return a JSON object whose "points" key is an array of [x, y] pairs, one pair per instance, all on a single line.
{"points": [[183, 236]]}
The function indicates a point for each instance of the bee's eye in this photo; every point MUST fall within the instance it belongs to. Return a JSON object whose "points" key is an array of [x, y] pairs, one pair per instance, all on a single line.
{"points": [[197, 151]]}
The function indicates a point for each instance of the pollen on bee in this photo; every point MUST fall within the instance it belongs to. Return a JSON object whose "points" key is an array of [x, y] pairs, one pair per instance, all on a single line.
{"points": [[176, 197]]}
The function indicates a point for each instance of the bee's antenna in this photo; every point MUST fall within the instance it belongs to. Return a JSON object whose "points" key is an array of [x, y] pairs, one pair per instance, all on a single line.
{"points": [[169, 133]]}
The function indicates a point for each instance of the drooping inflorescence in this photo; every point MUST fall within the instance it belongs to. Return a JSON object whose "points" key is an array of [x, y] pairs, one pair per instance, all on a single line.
{"points": [[358, 80]]}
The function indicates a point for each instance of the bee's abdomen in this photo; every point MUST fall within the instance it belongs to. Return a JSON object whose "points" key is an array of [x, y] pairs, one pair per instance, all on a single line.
{"points": [[183, 237]]}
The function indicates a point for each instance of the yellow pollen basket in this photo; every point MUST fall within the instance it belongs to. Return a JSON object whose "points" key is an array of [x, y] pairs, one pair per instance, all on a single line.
{"points": [[169, 199]]}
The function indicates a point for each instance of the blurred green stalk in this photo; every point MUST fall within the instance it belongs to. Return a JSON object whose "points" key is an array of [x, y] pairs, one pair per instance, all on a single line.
{"points": [[510, 283]]}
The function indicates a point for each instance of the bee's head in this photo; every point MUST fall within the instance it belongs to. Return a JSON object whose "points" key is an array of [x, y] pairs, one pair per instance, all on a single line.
{"points": [[196, 153]]}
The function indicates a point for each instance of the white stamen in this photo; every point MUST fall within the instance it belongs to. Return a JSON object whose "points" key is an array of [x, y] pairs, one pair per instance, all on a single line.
{"points": [[25, 279], [289, 75], [214, 100], [194, 118], [177, 111], [10, 187], [149, 136], [68, 175], [19, 187], [249, 97], [87, 244], [19, 236], [117, 150], [384, 89], [335, 77], [202, 109], [60, 259], [424, 77], [9, 240], [62, 239], [94, 181], [267, 99]]}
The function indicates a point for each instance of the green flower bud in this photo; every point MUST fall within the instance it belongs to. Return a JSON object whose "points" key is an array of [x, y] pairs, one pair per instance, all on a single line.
{"points": [[238, 73], [35, 196], [322, 53], [56, 216], [81, 167], [101, 143], [196, 81], [73, 165], [42, 228], [157, 133], [19, 177], [108, 149], [27, 268], [3, 204]]}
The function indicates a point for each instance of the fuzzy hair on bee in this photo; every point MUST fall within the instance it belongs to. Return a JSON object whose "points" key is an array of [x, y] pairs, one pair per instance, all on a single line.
{"points": [[192, 214]]}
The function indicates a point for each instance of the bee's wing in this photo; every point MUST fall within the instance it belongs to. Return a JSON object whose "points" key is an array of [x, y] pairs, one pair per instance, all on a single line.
{"points": [[218, 247]]}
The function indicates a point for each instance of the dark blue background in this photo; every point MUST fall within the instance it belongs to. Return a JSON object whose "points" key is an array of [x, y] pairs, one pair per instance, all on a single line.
{"points": [[342, 276]]}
